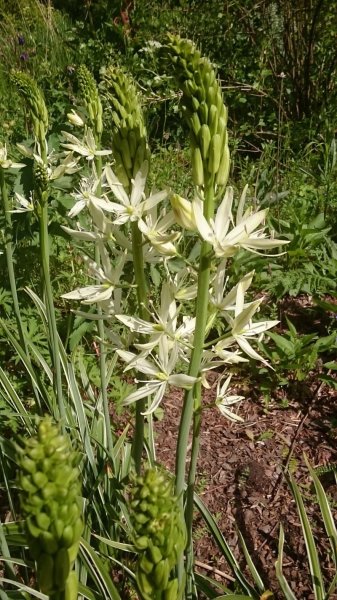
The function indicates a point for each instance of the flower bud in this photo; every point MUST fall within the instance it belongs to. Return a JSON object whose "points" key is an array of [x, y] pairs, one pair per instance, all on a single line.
{"points": [[183, 212], [75, 119]]}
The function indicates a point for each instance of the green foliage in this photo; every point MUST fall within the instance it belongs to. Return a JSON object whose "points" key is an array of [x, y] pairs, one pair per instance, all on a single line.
{"points": [[293, 358]]}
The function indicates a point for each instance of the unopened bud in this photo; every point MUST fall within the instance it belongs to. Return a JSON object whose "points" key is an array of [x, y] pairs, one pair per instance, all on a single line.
{"points": [[75, 119], [183, 212]]}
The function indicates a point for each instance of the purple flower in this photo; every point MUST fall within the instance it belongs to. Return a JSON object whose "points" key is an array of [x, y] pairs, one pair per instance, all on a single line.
{"points": [[21, 40], [24, 56]]}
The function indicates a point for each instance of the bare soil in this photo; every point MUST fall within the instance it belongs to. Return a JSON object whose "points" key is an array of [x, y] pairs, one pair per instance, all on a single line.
{"points": [[240, 479]]}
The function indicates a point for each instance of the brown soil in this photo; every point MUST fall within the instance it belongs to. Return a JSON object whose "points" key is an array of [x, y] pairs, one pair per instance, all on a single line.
{"points": [[240, 479]]}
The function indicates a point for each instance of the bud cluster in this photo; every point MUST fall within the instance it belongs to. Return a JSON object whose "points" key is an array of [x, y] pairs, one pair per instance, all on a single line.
{"points": [[41, 178], [159, 535], [50, 484], [205, 112], [129, 143], [89, 93], [35, 101]]}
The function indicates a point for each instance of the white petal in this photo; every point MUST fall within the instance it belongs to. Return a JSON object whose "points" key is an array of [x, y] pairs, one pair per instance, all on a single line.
{"points": [[139, 184], [156, 400], [203, 227], [246, 347], [182, 381], [142, 392]]}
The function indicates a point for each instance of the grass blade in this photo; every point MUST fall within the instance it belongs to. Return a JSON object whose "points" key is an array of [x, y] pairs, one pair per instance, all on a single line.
{"points": [[225, 549], [314, 564], [251, 566], [288, 594]]}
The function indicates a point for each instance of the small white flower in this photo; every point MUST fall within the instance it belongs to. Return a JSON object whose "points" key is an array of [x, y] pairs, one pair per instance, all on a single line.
{"points": [[164, 324], [108, 276], [156, 232], [131, 208], [86, 147], [5, 162], [23, 205], [224, 400], [159, 371], [244, 235]]}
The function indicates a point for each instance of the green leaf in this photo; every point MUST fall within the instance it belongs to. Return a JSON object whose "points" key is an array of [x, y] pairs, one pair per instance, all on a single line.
{"points": [[224, 548], [258, 581], [279, 571], [328, 519], [313, 558], [98, 571], [282, 343]]}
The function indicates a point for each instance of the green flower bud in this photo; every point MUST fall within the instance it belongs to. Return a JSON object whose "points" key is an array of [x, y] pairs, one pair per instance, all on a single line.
{"points": [[50, 502], [92, 102], [202, 103], [159, 540], [129, 141], [35, 102]]}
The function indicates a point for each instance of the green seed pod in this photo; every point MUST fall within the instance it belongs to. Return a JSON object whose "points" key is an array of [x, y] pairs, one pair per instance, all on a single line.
{"points": [[61, 568], [195, 124], [45, 566], [223, 171], [42, 520], [71, 589], [213, 119], [146, 564], [203, 113]]}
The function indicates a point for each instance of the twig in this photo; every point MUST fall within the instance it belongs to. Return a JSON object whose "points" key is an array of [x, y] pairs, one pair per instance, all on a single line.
{"points": [[214, 570]]}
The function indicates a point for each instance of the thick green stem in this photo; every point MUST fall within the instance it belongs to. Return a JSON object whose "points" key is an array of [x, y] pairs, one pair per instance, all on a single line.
{"points": [[192, 400], [142, 298], [101, 335], [10, 259], [44, 249]]}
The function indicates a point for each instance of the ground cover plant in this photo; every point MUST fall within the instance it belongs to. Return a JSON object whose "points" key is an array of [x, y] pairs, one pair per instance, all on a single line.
{"points": [[157, 293]]}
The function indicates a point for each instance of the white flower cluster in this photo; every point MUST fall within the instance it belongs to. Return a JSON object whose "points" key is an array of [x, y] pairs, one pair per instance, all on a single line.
{"points": [[165, 339]]}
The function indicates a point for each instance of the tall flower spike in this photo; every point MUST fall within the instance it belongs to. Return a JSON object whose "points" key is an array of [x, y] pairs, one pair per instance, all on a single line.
{"points": [[50, 484], [35, 101], [129, 141], [205, 112], [89, 92]]}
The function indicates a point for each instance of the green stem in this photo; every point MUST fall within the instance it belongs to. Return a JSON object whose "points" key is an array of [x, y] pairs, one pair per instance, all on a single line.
{"points": [[142, 298], [101, 335], [10, 259], [44, 249], [192, 400]]}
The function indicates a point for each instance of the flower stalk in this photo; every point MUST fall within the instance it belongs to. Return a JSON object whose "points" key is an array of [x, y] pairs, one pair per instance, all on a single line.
{"points": [[39, 114], [10, 258], [131, 153], [89, 92]]}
